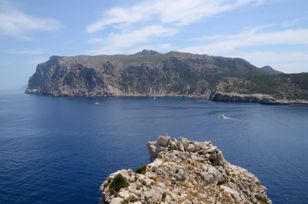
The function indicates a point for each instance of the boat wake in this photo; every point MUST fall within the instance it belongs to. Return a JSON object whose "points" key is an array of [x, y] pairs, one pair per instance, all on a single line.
{"points": [[222, 116]]}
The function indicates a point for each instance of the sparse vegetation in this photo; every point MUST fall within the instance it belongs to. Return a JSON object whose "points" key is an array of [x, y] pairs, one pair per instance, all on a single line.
{"points": [[141, 170], [164, 197], [117, 183]]}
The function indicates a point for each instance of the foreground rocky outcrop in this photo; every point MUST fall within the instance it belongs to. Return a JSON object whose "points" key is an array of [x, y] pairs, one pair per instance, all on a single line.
{"points": [[149, 73], [184, 171]]}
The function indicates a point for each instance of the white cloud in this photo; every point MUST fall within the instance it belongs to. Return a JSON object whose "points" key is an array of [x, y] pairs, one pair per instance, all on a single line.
{"points": [[226, 43], [118, 16], [14, 22], [178, 13], [169, 16], [288, 59], [185, 12], [124, 41]]}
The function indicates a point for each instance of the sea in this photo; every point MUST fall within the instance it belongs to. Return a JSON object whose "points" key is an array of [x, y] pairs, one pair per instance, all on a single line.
{"points": [[59, 149]]}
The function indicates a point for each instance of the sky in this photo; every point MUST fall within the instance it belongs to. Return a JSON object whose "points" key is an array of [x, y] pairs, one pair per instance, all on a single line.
{"points": [[264, 32]]}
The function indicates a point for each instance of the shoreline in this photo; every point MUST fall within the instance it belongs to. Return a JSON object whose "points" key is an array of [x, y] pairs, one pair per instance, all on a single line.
{"points": [[273, 101]]}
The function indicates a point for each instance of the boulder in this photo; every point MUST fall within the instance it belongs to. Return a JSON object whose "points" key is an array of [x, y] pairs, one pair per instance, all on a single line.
{"points": [[163, 140]]}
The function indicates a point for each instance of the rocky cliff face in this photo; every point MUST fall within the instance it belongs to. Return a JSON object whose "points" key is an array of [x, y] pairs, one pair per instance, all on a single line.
{"points": [[152, 73], [187, 172], [250, 98], [144, 73]]}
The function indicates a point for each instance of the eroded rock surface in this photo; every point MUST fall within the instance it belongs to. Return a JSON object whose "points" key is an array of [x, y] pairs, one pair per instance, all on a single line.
{"points": [[188, 172], [247, 98]]}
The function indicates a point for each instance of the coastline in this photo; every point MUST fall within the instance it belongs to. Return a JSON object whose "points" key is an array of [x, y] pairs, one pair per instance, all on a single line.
{"points": [[216, 97]]}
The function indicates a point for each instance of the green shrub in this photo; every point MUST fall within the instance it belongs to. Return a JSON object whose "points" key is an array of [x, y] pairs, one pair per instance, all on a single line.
{"points": [[141, 170], [117, 183], [163, 198]]}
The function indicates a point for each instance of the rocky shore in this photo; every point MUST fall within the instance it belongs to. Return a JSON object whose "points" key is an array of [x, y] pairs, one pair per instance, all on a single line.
{"points": [[247, 98], [253, 98], [183, 171]]}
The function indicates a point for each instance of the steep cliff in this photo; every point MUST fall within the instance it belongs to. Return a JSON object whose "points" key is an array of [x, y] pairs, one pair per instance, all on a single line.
{"points": [[187, 172], [170, 74]]}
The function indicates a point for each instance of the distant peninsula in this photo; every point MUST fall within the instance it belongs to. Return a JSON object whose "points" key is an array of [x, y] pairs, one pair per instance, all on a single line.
{"points": [[150, 73], [184, 171]]}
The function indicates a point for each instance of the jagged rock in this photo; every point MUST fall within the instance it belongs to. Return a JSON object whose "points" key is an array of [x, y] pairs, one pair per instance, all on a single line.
{"points": [[184, 171], [163, 141], [191, 148], [116, 201], [185, 142]]}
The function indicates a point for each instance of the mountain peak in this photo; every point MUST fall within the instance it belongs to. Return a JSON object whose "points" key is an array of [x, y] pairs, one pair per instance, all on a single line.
{"points": [[270, 70], [146, 52]]}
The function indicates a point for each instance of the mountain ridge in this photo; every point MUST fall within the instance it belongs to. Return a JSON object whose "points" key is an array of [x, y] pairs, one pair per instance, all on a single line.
{"points": [[149, 73]]}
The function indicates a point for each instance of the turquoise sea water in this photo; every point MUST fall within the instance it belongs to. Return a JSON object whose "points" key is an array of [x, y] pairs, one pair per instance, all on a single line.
{"points": [[59, 150]]}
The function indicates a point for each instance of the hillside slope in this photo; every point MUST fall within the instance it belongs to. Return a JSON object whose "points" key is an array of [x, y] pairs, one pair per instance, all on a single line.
{"points": [[170, 74]]}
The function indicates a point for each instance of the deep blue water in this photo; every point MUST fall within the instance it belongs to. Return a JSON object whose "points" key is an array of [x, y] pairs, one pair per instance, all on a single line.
{"points": [[59, 150]]}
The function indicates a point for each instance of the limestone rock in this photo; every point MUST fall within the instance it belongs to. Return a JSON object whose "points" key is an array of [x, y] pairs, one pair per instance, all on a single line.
{"points": [[163, 140], [185, 171]]}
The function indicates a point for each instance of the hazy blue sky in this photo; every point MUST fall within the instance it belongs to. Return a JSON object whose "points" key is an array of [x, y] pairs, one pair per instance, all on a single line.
{"points": [[265, 32]]}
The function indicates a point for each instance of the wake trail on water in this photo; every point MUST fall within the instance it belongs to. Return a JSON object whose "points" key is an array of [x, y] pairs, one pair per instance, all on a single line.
{"points": [[222, 116]]}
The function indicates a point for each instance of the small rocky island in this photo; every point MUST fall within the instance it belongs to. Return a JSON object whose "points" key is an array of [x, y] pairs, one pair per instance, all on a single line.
{"points": [[150, 73], [184, 171]]}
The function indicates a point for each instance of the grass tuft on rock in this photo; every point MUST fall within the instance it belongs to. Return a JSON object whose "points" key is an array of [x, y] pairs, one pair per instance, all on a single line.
{"points": [[117, 183], [141, 169]]}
